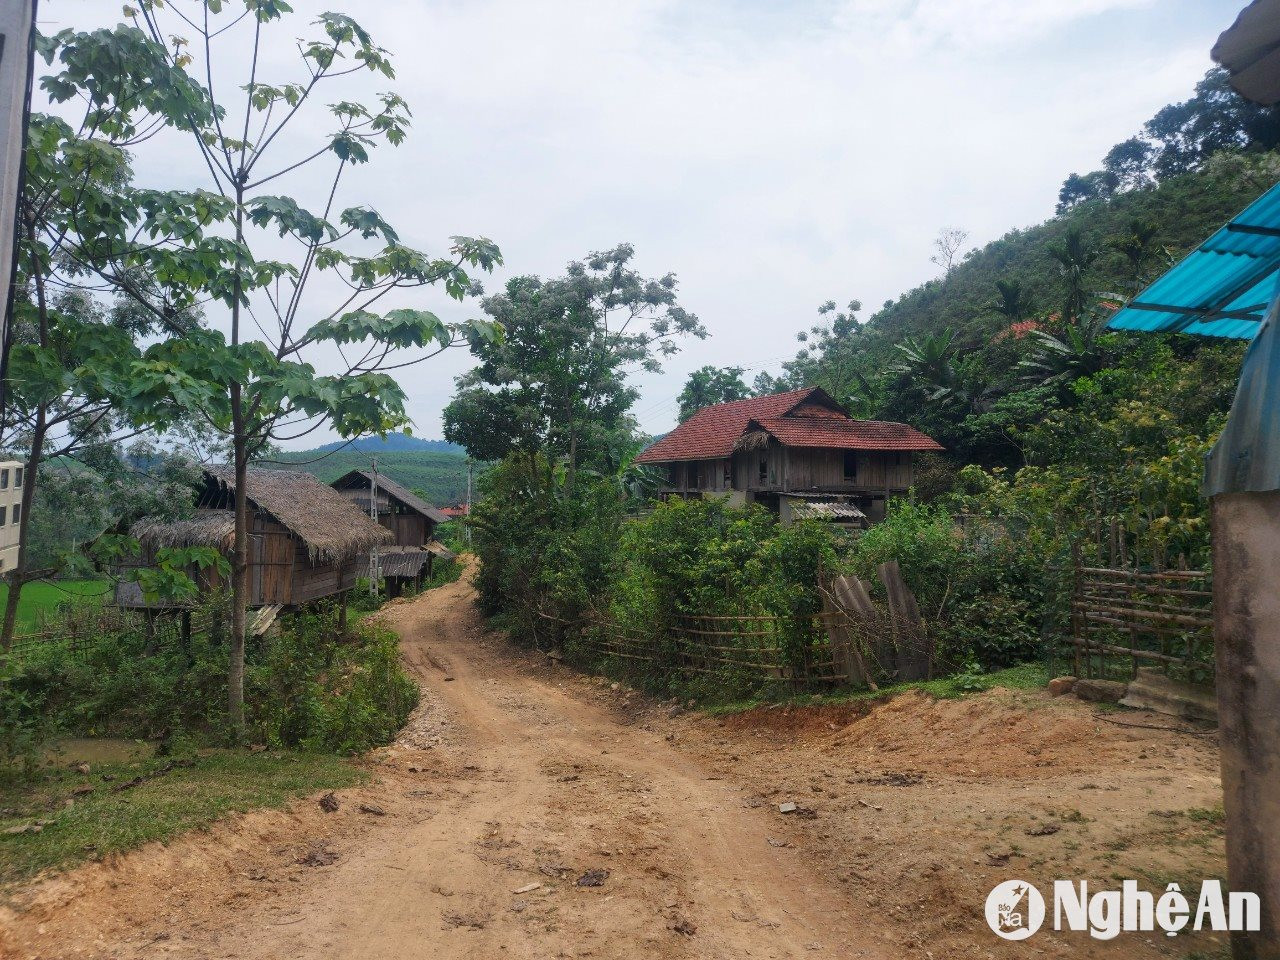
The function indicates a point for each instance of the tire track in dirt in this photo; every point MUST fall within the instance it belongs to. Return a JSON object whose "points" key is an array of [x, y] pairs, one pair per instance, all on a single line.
{"points": [[503, 791]]}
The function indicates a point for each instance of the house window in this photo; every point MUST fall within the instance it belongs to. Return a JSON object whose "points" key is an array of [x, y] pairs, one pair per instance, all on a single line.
{"points": [[4, 512], [728, 474], [17, 509], [17, 477], [4, 479], [850, 465], [764, 469]]}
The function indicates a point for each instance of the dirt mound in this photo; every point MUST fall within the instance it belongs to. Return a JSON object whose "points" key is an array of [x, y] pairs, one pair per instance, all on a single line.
{"points": [[998, 733], [990, 735], [797, 722]]}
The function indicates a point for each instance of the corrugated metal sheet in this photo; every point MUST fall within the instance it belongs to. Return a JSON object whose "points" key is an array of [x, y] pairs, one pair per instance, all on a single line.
{"points": [[837, 510], [402, 565], [1223, 287]]}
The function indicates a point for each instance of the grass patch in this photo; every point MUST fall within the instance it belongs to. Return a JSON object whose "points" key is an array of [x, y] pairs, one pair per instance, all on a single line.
{"points": [[1025, 676], [1211, 815], [45, 595], [103, 822]]}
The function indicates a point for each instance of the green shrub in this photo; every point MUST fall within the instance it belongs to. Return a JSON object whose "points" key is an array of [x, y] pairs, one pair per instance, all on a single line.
{"points": [[310, 686], [315, 688]]}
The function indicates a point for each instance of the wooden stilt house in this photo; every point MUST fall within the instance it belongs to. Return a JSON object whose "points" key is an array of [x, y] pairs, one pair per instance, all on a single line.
{"points": [[306, 541], [411, 520]]}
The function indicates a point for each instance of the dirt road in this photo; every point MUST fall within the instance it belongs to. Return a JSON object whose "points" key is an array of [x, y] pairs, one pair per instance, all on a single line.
{"points": [[521, 820], [529, 811]]}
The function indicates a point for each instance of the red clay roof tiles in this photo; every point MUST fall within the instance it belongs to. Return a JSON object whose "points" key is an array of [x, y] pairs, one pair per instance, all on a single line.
{"points": [[712, 432], [847, 434]]}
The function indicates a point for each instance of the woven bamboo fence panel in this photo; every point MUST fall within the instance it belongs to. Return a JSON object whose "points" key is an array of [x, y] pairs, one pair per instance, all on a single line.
{"points": [[1125, 618]]}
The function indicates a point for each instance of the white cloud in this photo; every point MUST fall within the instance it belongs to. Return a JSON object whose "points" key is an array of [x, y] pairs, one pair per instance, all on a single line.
{"points": [[773, 155], [964, 24]]}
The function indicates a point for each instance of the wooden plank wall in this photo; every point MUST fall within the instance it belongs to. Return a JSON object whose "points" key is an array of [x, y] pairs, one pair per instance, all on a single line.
{"points": [[271, 562], [312, 581], [803, 469], [410, 529]]}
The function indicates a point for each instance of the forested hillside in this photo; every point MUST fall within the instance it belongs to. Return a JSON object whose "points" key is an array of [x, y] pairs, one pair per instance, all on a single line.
{"points": [[1181, 212], [439, 476], [392, 443]]}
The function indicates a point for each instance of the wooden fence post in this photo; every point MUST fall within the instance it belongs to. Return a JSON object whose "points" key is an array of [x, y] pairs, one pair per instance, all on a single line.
{"points": [[915, 661]]}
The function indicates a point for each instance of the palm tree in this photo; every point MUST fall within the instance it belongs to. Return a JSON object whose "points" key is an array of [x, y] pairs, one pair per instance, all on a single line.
{"points": [[1074, 257], [1136, 242], [1013, 302], [1061, 360], [927, 362], [930, 365]]}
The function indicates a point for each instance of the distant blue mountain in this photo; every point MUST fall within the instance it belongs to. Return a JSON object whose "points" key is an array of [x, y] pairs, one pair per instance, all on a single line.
{"points": [[392, 443]]}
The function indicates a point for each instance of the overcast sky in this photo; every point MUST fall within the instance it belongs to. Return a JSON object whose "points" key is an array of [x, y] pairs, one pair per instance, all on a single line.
{"points": [[773, 155]]}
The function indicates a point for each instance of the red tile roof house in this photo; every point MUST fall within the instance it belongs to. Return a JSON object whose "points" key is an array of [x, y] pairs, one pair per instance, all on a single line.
{"points": [[797, 453]]}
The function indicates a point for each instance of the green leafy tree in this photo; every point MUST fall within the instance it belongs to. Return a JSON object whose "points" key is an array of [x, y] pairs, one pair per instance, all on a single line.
{"points": [[1078, 351], [87, 232], [555, 384], [256, 383], [928, 364], [1136, 242], [711, 385], [1129, 163]]}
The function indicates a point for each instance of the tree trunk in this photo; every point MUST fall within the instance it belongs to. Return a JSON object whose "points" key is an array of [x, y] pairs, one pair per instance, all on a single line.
{"points": [[240, 553], [18, 576], [571, 474], [239, 582]]}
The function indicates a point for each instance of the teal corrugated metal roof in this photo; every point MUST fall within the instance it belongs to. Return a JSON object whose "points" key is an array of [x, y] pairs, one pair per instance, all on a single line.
{"points": [[1223, 287]]}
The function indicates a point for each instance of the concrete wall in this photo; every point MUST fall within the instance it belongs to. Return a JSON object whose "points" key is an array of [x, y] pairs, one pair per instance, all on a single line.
{"points": [[1246, 605]]}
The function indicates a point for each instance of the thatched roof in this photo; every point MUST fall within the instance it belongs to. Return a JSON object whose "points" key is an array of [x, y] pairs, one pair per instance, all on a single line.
{"points": [[752, 441], [331, 526], [208, 528], [365, 479]]}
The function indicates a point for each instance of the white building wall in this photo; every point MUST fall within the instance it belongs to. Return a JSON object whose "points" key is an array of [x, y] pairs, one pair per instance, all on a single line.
{"points": [[12, 478]]}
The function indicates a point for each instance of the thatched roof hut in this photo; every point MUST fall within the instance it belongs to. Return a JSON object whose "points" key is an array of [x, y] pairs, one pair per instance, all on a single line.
{"points": [[411, 519], [306, 540], [330, 525], [358, 484]]}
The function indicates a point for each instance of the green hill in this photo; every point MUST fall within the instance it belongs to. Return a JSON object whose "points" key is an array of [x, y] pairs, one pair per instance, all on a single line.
{"points": [[1183, 210], [438, 476]]}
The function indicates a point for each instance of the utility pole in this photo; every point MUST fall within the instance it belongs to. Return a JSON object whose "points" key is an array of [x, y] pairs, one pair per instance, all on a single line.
{"points": [[375, 571], [17, 56], [467, 526]]}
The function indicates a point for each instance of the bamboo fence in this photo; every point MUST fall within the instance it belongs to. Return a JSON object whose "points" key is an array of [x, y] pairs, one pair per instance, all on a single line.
{"points": [[795, 651], [78, 635], [1122, 618]]}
